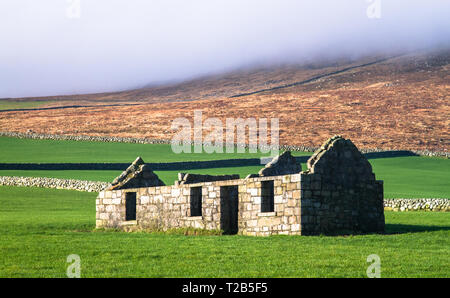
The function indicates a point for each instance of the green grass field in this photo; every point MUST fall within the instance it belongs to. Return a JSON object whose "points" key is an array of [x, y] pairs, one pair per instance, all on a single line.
{"points": [[10, 104], [39, 228], [48, 151], [404, 177]]}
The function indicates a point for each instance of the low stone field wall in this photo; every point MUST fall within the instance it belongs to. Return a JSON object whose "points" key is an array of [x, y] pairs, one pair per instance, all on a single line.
{"points": [[89, 186], [417, 204], [92, 186]]}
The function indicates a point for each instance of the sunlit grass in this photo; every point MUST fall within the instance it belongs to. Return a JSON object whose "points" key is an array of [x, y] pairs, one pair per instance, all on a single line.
{"points": [[39, 228], [11, 104]]}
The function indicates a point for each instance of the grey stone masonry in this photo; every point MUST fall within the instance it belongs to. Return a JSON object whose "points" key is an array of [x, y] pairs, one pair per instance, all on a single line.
{"points": [[339, 191], [167, 207], [337, 194], [187, 178], [138, 174], [281, 165]]}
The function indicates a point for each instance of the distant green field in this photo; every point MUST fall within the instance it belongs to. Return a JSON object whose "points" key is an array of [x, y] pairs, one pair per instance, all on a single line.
{"points": [[167, 176], [414, 176], [39, 228], [10, 104], [47, 151], [404, 177]]}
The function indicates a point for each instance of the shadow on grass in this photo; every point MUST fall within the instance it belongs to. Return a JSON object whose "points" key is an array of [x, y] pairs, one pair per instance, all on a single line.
{"points": [[178, 165], [390, 229], [403, 229]]}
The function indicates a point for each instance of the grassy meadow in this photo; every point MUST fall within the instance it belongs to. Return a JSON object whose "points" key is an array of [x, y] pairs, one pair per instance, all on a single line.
{"points": [[39, 228], [11, 104], [50, 151]]}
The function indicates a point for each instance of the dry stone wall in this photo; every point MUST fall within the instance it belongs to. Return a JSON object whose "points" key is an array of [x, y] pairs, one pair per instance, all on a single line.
{"points": [[44, 182], [417, 204]]}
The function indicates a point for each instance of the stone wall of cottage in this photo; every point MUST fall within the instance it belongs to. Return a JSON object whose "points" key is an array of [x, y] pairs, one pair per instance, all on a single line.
{"points": [[337, 194], [284, 220], [167, 207], [328, 208], [339, 191], [110, 209], [157, 208], [304, 204]]}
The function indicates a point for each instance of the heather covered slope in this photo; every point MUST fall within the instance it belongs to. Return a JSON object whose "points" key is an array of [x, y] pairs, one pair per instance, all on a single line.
{"points": [[241, 81], [398, 103]]}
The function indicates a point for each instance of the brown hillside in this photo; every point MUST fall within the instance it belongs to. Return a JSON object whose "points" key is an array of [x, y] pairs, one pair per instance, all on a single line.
{"points": [[398, 103]]}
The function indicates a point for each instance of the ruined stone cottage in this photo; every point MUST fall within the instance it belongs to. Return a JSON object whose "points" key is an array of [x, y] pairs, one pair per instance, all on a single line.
{"points": [[336, 194]]}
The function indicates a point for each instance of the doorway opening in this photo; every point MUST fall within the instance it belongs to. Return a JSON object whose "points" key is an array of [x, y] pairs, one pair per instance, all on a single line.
{"points": [[130, 206], [196, 201], [229, 199]]}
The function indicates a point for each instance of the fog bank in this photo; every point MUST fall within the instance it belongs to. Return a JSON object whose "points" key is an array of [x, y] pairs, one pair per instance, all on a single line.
{"points": [[55, 47]]}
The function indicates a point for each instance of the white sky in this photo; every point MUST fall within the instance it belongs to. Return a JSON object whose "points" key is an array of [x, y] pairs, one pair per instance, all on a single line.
{"points": [[122, 44]]}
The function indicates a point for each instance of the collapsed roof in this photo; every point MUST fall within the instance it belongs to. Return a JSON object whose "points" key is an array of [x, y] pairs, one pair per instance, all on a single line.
{"points": [[138, 174]]}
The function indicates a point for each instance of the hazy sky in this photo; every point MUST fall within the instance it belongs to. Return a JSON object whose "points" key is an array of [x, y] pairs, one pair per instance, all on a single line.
{"points": [[49, 47]]}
